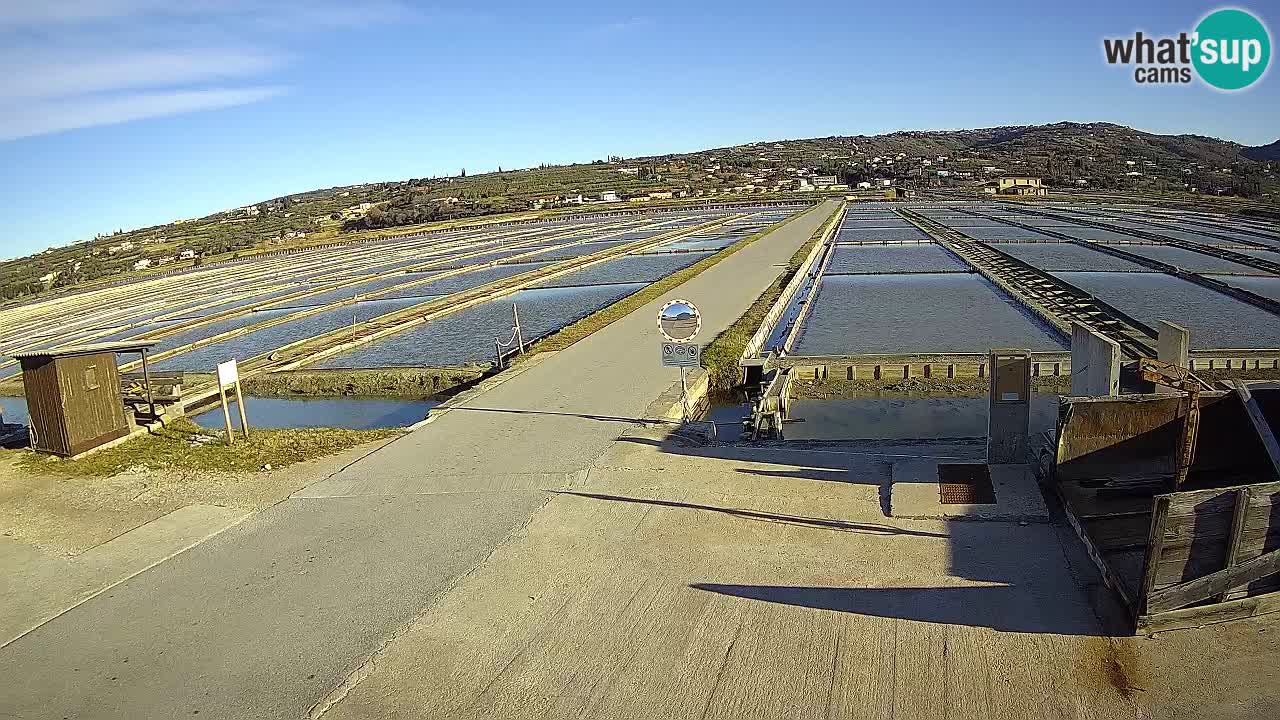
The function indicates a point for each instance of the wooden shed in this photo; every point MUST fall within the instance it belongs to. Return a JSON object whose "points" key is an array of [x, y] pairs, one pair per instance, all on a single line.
{"points": [[74, 396]]}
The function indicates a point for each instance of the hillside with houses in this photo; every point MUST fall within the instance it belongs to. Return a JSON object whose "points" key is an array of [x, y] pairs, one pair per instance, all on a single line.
{"points": [[1069, 157]]}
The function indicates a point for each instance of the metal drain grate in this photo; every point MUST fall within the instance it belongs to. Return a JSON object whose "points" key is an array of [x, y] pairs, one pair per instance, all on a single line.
{"points": [[965, 484]]}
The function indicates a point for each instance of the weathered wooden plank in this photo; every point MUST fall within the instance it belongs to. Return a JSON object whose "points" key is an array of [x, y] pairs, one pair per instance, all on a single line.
{"points": [[1209, 614], [1151, 563], [1237, 529], [1260, 424], [1187, 500], [1187, 561], [1179, 596], [1112, 580], [1119, 532]]}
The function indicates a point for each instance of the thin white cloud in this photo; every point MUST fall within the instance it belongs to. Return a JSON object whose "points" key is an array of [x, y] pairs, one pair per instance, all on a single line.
{"points": [[71, 64], [42, 118], [277, 15], [49, 75], [621, 27]]}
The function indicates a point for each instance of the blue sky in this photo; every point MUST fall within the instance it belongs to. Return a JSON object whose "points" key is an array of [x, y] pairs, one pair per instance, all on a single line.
{"points": [[126, 113]]}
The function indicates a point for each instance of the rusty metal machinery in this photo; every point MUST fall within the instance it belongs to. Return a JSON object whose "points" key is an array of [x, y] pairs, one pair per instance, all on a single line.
{"points": [[1185, 381]]}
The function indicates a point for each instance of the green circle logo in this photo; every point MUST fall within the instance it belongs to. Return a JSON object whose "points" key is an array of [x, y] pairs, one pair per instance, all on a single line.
{"points": [[1232, 49]]}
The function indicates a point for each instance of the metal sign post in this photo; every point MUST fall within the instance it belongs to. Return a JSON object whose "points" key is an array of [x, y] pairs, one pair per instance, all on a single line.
{"points": [[229, 378], [679, 321]]}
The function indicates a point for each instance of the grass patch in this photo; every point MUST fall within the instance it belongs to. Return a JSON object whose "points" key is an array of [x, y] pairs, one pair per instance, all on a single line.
{"points": [[414, 383], [595, 321], [721, 356], [172, 448]]}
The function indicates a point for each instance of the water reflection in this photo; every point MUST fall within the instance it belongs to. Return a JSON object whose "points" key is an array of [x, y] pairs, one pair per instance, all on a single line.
{"points": [[348, 413]]}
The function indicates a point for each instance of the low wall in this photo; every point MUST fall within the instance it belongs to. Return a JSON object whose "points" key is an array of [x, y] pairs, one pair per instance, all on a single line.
{"points": [[904, 367]]}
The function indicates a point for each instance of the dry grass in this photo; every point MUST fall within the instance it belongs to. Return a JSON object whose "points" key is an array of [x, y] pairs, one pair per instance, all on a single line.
{"points": [[172, 448]]}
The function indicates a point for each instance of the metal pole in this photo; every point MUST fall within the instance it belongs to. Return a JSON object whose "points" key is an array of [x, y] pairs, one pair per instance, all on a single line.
{"points": [[146, 378], [684, 399], [497, 351], [515, 313]]}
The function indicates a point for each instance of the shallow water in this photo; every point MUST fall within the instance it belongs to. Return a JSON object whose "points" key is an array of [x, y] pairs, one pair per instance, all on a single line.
{"points": [[468, 336], [893, 259], [1268, 287], [854, 233], [937, 313], [260, 341], [629, 268], [1216, 321], [349, 413], [1190, 260], [1004, 232], [901, 418], [14, 410], [1056, 256]]}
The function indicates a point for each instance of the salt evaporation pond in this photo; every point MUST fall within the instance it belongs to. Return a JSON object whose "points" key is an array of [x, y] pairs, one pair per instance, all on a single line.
{"points": [[468, 335], [935, 313], [245, 346], [910, 258], [1216, 321], [1055, 256]]}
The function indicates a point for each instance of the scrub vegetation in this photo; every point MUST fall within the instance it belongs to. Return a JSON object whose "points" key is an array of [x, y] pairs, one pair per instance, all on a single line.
{"points": [[407, 383], [183, 445]]}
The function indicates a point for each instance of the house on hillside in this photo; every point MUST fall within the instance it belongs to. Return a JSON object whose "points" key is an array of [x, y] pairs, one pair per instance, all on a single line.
{"points": [[1015, 185], [142, 264]]}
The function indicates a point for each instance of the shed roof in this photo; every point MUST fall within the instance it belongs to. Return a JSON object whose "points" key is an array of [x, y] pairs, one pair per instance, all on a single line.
{"points": [[92, 349]]}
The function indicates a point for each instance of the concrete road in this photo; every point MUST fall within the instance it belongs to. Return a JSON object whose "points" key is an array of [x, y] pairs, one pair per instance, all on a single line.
{"points": [[679, 581], [270, 618]]}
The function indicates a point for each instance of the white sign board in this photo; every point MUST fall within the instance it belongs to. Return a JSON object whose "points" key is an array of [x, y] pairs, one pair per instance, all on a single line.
{"points": [[679, 321], [228, 373], [678, 354]]}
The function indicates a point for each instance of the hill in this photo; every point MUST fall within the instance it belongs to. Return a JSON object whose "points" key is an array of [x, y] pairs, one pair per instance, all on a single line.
{"points": [[1092, 155]]}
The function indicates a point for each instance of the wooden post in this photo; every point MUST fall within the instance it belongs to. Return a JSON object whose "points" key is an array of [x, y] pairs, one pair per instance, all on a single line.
{"points": [[244, 421], [1238, 514], [146, 378], [515, 314], [1155, 548], [226, 414]]}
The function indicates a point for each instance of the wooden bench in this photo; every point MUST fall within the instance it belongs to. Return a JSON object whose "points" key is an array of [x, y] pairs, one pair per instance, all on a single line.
{"points": [[165, 387]]}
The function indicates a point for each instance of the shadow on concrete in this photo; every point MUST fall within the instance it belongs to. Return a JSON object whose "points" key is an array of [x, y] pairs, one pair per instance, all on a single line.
{"points": [[799, 520], [833, 475], [1001, 608], [585, 416], [855, 463]]}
